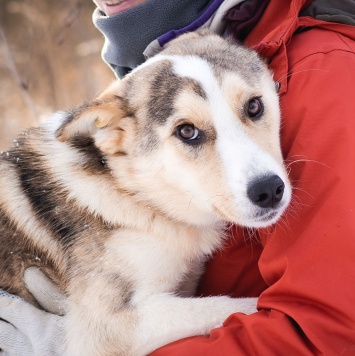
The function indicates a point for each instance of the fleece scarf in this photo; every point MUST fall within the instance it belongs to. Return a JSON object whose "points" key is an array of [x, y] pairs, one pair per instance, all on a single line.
{"points": [[127, 34]]}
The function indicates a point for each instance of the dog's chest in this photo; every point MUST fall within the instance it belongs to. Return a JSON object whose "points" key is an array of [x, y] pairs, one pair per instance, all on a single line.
{"points": [[158, 263]]}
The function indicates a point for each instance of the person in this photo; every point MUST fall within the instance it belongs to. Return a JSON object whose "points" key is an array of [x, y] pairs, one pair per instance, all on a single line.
{"points": [[302, 269]]}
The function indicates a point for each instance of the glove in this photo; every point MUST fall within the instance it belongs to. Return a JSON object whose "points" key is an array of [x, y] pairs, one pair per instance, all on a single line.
{"points": [[28, 331]]}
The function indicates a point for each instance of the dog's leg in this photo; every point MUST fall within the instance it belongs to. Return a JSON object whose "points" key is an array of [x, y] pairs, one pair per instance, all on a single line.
{"points": [[97, 328], [166, 318]]}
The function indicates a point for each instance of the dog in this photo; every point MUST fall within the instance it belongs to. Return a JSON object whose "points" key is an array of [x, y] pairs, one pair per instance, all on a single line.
{"points": [[121, 200]]}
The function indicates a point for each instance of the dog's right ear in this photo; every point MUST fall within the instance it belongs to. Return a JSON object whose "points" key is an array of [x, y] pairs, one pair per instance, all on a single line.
{"points": [[104, 119], [90, 117]]}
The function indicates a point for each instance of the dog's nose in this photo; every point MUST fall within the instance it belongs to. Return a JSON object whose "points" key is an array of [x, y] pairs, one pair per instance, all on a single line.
{"points": [[266, 191]]}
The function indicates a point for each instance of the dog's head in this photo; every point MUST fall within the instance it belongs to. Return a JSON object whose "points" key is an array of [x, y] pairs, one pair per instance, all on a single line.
{"points": [[194, 133]]}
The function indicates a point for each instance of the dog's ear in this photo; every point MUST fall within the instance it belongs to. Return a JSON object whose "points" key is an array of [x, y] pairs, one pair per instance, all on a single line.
{"points": [[104, 119]]}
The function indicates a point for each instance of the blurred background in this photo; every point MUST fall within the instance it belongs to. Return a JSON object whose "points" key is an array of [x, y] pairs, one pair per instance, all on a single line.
{"points": [[49, 60]]}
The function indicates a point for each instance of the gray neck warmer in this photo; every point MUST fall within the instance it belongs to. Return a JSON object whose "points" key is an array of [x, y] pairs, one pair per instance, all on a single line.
{"points": [[129, 33]]}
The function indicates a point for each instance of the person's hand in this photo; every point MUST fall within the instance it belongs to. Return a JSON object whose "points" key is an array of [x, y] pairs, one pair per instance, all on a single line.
{"points": [[28, 331]]}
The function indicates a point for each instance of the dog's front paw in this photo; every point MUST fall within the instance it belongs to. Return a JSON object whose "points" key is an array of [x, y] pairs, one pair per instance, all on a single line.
{"points": [[217, 326], [237, 305], [247, 305]]}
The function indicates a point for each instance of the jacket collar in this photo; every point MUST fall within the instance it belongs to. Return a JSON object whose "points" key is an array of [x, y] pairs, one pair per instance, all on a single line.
{"points": [[274, 30]]}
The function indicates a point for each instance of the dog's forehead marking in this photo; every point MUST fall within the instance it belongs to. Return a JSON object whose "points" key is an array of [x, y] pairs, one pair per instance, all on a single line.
{"points": [[193, 69], [189, 66], [202, 72], [198, 69], [165, 85]]}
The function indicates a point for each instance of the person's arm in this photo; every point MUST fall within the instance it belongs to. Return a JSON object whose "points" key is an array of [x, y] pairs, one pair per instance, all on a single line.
{"points": [[308, 259]]}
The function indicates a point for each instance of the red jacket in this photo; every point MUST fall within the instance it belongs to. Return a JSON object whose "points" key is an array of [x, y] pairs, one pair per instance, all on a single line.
{"points": [[304, 267]]}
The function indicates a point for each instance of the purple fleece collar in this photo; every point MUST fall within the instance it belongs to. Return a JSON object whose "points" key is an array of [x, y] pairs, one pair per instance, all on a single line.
{"points": [[199, 22]]}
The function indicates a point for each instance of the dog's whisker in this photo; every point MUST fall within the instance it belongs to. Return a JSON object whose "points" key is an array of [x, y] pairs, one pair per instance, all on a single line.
{"points": [[292, 73]]}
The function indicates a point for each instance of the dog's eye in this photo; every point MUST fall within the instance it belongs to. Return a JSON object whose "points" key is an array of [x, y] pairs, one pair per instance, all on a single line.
{"points": [[188, 133], [254, 108]]}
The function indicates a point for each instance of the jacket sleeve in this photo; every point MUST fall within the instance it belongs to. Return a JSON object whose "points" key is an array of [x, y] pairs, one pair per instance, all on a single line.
{"points": [[308, 258]]}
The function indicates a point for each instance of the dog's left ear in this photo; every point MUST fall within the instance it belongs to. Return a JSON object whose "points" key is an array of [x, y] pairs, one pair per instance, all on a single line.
{"points": [[104, 119]]}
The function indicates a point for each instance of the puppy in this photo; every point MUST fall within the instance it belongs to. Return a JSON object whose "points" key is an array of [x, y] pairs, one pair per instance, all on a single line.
{"points": [[121, 200]]}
